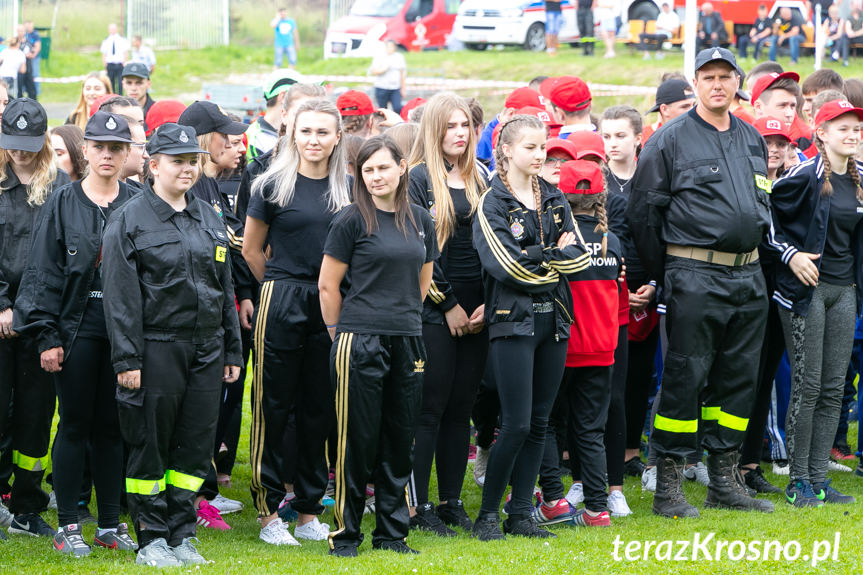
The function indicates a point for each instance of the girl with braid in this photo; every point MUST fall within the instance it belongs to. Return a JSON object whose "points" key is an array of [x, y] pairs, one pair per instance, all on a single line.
{"points": [[528, 243], [817, 210]]}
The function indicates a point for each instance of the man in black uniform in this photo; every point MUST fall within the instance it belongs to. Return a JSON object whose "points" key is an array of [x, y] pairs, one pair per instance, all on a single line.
{"points": [[698, 210]]}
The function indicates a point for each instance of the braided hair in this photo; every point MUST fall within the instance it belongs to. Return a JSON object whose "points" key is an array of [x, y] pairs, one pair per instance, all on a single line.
{"points": [[509, 134], [594, 203], [826, 186]]}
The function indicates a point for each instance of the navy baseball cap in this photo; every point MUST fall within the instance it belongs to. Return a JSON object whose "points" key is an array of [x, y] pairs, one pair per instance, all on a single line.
{"points": [[174, 139], [24, 126], [107, 127], [137, 69], [207, 117], [709, 55]]}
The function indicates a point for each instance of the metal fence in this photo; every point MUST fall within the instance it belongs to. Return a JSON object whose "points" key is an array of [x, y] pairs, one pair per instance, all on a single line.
{"points": [[9, 14], [339, 8], [179, 23]]}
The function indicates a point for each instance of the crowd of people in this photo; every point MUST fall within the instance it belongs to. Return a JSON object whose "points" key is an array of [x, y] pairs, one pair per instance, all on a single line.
{"points": [[405, 282]]}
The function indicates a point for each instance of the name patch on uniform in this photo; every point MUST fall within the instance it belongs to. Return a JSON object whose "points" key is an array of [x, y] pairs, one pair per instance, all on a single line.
{"points": [[763, 183], [517, 229], [221, 253], [859, 210]]}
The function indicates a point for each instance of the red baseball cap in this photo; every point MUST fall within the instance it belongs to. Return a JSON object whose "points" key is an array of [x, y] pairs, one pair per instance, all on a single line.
{"points": [[570, 94], [587, 143], [546, 85], [524, 97], [355, 103], [558, 145], [97, 103], [834, 109], [575, 171], [411, 105], [768, 126], [540, 113], [163, 112], [764, 82]]}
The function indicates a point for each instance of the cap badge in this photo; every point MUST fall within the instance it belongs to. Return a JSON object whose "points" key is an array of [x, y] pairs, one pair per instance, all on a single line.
{"points": [[845, 104], [716, 54], [543, 116], [183, 137], [21, 123], [773, 125], [111, 124]]}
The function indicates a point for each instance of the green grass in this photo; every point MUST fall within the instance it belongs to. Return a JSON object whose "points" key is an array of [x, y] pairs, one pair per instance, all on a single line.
{"points": [[576, 550]]}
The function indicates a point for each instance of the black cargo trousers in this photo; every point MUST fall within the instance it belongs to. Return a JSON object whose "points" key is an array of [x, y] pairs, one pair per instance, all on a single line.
{"points": [[169, 425], [718, 314]]}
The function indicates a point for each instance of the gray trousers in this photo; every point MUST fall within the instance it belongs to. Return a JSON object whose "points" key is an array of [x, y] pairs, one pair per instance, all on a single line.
{"points": [[819, 348]]}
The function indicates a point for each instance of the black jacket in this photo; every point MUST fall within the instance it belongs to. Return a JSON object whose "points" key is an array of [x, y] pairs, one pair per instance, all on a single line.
{"points": [[698, 187], [67, 245], [517, 270], [167, 279], [440, 298], [800, 215], [17, 222]]}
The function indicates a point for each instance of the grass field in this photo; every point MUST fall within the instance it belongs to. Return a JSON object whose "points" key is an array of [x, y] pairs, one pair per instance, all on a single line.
{"points": [[576, 550]]}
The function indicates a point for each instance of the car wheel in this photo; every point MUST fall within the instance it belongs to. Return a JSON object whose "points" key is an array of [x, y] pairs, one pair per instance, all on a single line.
{"points": [[535, 38], [478, 47]]}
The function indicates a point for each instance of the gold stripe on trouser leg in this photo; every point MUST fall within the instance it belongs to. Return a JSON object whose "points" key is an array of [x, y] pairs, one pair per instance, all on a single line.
{"points": [[256, 437], [343, 364]]}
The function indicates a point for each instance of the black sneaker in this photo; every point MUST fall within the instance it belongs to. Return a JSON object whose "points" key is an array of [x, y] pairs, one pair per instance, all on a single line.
{"points": [[799, 493], [754, 479], [634, 467], [31, 524], [859, 471], [344, 551], [119, 539], [828, 494], [525, 526], [487, 528], [426, 520], [396, 545], [84, 515], [452, 513], [68, 540]]}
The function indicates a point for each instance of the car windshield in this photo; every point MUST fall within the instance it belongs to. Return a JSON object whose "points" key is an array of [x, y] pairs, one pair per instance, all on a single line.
{"points": [[383, 8]]}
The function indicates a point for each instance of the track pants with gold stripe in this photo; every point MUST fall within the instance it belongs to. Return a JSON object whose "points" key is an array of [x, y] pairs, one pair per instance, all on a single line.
{"points": [[717, 316], [291, 376], [169, 425], [31, 392], [378, 381]]}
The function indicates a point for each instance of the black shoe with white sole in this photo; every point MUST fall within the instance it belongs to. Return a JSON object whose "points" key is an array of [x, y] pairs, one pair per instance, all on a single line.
{"points": [[31, 524]]}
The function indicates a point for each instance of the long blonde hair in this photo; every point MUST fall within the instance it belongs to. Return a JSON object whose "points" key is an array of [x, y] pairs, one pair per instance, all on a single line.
{"points": [[41, 183], [281, 176], [427, 149], [82, 111]]}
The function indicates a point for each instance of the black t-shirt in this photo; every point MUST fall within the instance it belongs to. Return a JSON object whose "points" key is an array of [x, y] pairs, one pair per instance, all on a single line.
{"points": [[384, 271], [93, 320], [761, 24], [837, 262], [552, 5], [462, 260], [795, 20], [297, 231]]}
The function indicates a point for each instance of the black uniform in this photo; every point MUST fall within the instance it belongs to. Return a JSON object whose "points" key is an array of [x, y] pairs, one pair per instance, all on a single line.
{"points": [[455, 365], [20, 371], [377, 364], [528, 310], [61, 306], [698, 187], [170, 311]]}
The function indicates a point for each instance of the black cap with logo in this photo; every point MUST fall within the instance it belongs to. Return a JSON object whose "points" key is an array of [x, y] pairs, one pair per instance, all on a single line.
{"points": [[107, 127], [207, 117], [137, 69], [174, 139], [671, 91], [24, 126], [709, 55]]}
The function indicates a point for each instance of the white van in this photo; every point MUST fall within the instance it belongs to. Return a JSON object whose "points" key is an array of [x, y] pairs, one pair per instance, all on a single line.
{"points": [[481, 23]]}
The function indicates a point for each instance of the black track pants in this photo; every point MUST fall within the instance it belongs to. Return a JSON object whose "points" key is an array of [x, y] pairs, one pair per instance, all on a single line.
{"points": [[639, 376], [378, 397], [291, 375], [615, 429], [169, 425], [22, 376], [86, 388]]}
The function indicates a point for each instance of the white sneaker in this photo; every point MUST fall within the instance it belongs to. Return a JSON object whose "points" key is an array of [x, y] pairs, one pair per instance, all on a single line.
{"points": [[835, 466], [617, 505], [480, 464], [648, 479], [698, 473], [314, 530], [575, 495], [225, 505], [277, 533], [781, 469]]}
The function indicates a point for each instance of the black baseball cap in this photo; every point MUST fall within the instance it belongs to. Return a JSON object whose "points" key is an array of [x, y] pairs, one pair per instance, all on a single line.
{"points": [[174, 139], [24, 126], [107, 127], [138, 69], [207, 117], [716, 54], [670, 91]]}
